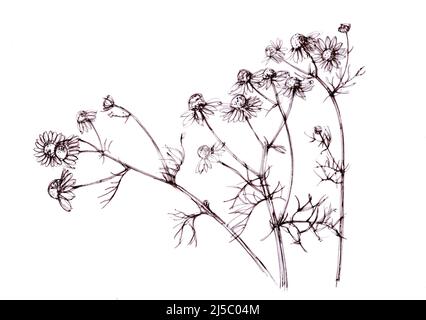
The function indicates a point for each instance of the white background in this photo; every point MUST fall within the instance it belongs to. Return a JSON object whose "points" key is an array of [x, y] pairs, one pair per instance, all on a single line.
{"points": [[59, 57]]}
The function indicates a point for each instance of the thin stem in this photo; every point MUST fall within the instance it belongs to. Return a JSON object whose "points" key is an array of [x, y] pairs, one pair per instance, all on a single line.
{"points": [[157, 148], [282, 266], [97, 135], [196, 200], [263, 95], [283, 122], [234, 235], [296, 68], [114, 175], [246, 180], [244, 164], [254, 131], [124, 164], [347, 61], [342, 184]]}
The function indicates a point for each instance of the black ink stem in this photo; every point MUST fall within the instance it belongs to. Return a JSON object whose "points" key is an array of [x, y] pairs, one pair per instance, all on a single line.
{"points": [[197, 201], [114, 175], [157, 148], [244, 164], [342, 183]]}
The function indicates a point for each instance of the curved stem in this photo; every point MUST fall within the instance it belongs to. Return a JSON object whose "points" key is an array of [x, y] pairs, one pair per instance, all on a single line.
{"points": [[97, 135], [296, 68], [263, 95], [235, 236], [196, 200], [244, 164], [157, 148], [342, 184]]}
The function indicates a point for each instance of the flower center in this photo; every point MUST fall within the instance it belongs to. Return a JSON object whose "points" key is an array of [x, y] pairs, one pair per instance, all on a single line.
{"points": [[269, 73], [244, 76], [53, 188], [270, 51], [327, 55], [291, 82], [204, 152], [49, 149], [238, 101], [196, 101], [297, 40], [61, 151]]}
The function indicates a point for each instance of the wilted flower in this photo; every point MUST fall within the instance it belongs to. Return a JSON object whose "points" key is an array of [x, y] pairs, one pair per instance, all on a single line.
{"points": [[108, 103], [317, 129], [243, 83], [199, 109], [241, 108], [62, 190], [344, 27], [265, 77], [275, 51], [302, 45], [208, 155], [296, 87], [53, 149], [85, 120], [329, 53]]}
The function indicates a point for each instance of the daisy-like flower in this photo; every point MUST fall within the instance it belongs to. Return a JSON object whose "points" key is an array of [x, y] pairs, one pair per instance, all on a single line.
{"points": [[108, 103], [53, 149], [62, 190], [275, 51], [67, 151], [45, 147], [302, 45], [344, 27], [199, 109], [296, 87], [243, 83], [85, 120], [241, 108], [265, 77], [328, 53], [208, 155]]}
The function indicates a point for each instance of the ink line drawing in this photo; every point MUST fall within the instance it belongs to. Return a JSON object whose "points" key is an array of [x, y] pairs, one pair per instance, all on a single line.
{"points": [[310, 61]]}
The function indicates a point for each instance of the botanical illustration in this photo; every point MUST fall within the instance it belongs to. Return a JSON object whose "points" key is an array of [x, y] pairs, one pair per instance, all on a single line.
{"points": [[292, 69]]}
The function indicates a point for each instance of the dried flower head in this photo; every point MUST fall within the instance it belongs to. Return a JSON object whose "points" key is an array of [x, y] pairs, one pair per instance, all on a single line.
{"points": [[344, 27], [243, 83], [302, 46], [62, 190], [241, 108], [317, 129], [266, 77], [85, 120], [208, 155], [275, 51], [108, 103], [329, 53], [199, 109], [296, 87]]}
